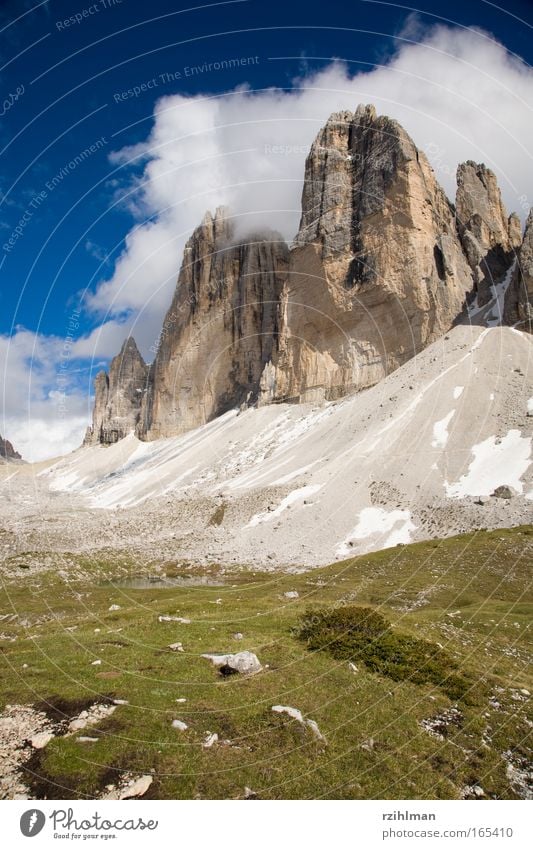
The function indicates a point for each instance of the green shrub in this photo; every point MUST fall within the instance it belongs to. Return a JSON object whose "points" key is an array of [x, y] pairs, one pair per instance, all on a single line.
{"points": [[361, 633]]}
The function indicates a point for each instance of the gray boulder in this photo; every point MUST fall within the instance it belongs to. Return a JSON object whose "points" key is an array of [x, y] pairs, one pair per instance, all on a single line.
{"points": [[243, 662]]}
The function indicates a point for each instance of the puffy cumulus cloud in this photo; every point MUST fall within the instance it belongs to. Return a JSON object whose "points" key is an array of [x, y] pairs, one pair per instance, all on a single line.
{"points": [[45, 386], [45, 411], [458, 92], [40, 437], [102, 343]]}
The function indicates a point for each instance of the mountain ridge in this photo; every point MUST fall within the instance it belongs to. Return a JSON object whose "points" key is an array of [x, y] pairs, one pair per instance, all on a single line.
{"points": [[421, 454], [382, 265]]}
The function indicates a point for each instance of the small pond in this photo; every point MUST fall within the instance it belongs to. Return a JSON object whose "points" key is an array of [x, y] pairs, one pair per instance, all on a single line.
{"points": [[158, 582]]}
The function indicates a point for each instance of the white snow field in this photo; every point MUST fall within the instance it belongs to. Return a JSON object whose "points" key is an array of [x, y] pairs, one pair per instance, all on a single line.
{"points": [[405, 460]]}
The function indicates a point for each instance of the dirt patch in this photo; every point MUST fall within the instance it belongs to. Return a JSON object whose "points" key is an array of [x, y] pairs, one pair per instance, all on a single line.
{"points": [[218, 516], [61, 711], [43, 785]]}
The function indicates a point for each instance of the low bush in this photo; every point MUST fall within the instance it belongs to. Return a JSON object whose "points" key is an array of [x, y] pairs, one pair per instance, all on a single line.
{"points": [[361, 633]]}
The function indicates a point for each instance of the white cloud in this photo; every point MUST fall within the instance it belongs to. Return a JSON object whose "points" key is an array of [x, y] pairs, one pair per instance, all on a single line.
{"points": [[101, 343], [459, 93], [45, 411]]}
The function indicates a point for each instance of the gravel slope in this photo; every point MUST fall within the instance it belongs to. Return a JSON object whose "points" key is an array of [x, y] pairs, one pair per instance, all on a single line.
{"points": [[295, 486]]}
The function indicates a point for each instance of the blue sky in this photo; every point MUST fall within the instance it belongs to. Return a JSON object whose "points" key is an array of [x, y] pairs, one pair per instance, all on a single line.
{"points": [[97, 196]]}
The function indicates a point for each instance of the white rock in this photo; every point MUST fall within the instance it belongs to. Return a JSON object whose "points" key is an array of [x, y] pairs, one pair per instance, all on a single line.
{"points": [[93, 716], [136, 788], [39, 741], [132, 788], [315, 729], [120, 702], [115, 607], [352, 667], [179, 619], [96, 663], [296, 714], [291, 594], [237, 636], [87, 739], [245, 662], [249, 794], [176, 647], [210, 740], [180, 701], [181, 726]]}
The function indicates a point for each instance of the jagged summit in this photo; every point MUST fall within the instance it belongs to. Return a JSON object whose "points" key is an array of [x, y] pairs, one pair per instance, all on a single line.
{"points": [[118, 396], [488, 235], [519, 296], [221, 328], [7, 452], [382, 265]]}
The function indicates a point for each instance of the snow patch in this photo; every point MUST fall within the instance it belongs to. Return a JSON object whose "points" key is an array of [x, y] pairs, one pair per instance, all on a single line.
{"points": [[291, 498], [440, 431], [395, 525], [457, 392], [496, 462]]}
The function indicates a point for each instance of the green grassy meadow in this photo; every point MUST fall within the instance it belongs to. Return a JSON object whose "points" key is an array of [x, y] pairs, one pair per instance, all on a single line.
{"points": [[469, 597]]}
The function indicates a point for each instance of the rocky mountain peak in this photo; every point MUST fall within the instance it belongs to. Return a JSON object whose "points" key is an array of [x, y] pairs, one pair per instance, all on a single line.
{"points": [[7, 452], [221, 329], [377, 270], [119, 396], [519, 296], [489, 236], [382, 265]]}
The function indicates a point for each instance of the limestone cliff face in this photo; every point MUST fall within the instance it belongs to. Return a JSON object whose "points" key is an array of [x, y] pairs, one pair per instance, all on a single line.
{"points": [[519, 297], [221, 329], [377, 271], [382, 265], [7, 452], [489, 237], [118, 396]]}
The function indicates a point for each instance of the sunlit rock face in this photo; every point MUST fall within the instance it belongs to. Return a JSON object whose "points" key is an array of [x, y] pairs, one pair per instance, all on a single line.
{"points": [[221, 329], [519, 297], [489, 237], [118, 396], [382, 265], [377, 271]]}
